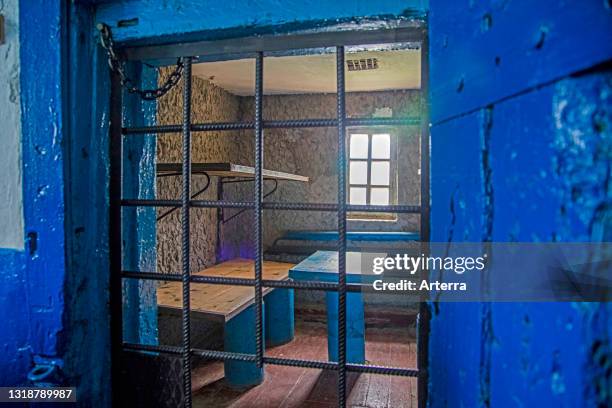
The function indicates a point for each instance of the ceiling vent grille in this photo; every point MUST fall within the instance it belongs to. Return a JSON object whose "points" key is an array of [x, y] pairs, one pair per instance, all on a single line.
{"points": [[363, 64]]}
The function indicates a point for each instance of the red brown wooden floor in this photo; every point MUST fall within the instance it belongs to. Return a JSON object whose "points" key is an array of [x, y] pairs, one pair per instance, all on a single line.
{"points": [[302, 387]]}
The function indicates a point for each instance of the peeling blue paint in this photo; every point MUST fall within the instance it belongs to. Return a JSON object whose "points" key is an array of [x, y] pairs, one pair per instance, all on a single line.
{"points": [[42, 140], [34, 295], [539, 354], [546, 161], [187, 20], [139, 224], [557, 381], [583, 155], [526, 44], [544, 177]]}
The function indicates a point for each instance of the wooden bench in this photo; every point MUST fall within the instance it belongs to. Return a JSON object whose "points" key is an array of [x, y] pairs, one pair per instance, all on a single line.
{"points": [[233, 306], [296, 245], [373, 236]]}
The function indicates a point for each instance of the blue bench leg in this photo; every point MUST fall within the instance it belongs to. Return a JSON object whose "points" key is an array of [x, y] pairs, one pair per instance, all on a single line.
{"points": [[280, 324], [239, 337], [355, 327]]}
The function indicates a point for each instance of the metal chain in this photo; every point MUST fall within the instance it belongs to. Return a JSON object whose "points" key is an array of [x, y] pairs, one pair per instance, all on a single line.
{"points": [[116, 65]]}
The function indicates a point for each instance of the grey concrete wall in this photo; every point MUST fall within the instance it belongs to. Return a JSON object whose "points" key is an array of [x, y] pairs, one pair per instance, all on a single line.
{"points": [[313, 153], [309, 152], [209, 104], [11, 211]]}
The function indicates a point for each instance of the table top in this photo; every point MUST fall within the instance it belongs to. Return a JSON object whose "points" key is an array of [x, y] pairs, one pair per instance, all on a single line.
{"points": [[222, 301], [323, 266], [227, 170]]}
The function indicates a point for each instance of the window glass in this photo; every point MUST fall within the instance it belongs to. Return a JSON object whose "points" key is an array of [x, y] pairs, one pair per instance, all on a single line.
{"points": [[369, 157], [358, 196], [379, 196], [359, 146], [380, 174], [359, 172], [381, 146]]}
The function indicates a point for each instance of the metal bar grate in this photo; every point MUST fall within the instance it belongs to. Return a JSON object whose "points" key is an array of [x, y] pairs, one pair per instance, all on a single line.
{"points": [[185, 230], [226, 355], [115, 235], [424, 310], [415, 209], [273, 124], [185, 351], [341, 226], [259, 151]]}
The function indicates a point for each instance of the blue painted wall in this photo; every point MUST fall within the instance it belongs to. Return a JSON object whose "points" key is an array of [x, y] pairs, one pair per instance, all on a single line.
{"points": [[43, 160], [14, 335], [521, 104], [139, 224], [86, 345], [53, 295], [31, 287]]}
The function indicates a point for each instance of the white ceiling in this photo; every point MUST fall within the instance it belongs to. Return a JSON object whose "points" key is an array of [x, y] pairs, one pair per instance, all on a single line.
{"points": [[397, 69]]}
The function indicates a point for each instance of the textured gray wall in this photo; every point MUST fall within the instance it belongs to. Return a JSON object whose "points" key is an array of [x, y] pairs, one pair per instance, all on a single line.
{"points": [[209, 104], [11, 211], [313, 153], [309, 152]]}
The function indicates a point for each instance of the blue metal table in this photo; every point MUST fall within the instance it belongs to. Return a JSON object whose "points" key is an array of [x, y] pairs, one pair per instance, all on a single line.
{"points": [[323, 266]]}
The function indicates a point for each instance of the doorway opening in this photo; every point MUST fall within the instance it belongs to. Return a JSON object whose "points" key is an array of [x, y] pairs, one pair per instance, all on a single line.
{"points": [[265, 205]]}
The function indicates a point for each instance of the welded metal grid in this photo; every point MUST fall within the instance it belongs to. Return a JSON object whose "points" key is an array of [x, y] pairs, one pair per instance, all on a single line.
{"points": [[185, 351]]}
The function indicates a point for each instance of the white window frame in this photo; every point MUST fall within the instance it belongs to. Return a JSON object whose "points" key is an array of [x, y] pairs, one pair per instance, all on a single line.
{"points": [[393, 170]]}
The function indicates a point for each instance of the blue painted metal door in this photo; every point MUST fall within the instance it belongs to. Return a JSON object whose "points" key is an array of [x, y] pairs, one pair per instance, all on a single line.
{"points": [[521, 113]]}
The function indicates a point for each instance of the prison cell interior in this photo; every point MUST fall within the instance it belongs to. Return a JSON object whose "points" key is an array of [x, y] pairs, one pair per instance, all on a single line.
{"points": [[189, 200]]}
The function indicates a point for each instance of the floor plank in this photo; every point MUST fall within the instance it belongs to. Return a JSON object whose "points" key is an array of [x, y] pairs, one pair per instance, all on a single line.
{"points": [[293, 387]]}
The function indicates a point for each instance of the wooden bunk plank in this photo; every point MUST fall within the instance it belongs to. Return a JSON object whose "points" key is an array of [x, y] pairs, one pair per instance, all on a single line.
{"points": [[228, 170], [222, 301], [245, 268]]}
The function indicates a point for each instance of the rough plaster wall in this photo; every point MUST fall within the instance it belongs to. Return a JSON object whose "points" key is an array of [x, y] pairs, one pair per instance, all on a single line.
{"points": [[313, 153], [11, 211], [209, 104]]}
